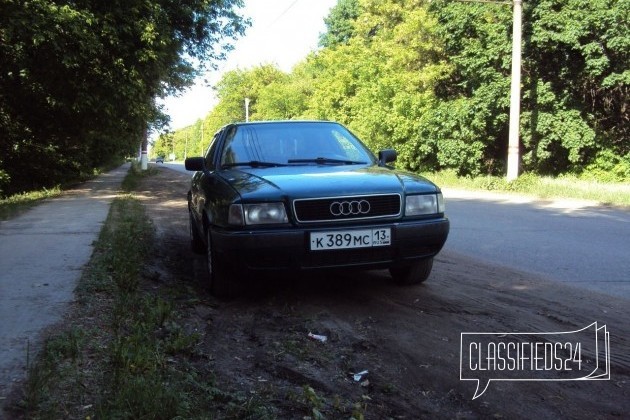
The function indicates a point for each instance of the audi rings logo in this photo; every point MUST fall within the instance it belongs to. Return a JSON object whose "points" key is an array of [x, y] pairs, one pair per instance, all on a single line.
{"points": [[347, 208]]}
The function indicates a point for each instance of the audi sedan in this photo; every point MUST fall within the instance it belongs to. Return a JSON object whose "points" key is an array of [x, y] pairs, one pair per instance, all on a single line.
{"points": [[306, 195]]}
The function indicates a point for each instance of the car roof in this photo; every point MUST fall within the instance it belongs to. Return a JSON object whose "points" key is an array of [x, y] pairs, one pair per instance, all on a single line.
{"points": [[282, 122]]}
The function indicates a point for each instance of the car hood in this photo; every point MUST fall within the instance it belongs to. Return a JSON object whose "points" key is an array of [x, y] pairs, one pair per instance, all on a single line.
{"points": [[294, 182]]}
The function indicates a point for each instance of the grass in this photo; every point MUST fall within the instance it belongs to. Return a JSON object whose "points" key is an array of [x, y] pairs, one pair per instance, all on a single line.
{"points": [[18, 203], [124, 353], [131, 182], [115, 360], [616, 194]]}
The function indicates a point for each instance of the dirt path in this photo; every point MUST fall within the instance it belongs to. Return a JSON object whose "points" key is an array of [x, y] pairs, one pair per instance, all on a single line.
{"points": [[407, 338]]}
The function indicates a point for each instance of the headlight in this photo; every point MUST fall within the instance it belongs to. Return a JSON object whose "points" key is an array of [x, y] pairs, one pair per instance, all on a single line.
{"points": [[235, 215], [441, 205], [257, 214], [420, 205]]}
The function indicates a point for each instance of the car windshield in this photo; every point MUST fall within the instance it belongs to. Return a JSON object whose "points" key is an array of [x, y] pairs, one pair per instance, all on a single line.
{"points": [[293, 143]]}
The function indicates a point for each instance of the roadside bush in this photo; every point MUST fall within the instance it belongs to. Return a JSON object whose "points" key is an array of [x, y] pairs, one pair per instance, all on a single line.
{"points": [[608, 167], [4, 180], [491, 183], [527, 182]]}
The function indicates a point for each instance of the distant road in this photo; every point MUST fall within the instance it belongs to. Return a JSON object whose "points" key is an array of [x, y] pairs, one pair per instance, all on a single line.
{"points": [[572, 242], [176, 166]]}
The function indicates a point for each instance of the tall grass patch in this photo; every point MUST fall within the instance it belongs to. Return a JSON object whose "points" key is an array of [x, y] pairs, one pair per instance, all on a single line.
{"points": [[14, 205], [571, 187], [135, 176]]}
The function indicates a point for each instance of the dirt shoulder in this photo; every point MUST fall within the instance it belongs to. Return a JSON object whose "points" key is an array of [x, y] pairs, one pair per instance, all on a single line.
{"points": [[407, 338]]}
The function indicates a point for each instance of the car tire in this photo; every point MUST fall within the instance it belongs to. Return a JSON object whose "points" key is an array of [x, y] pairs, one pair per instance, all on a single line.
{"points": [[222, 282], [415, 273], [196, 241]]}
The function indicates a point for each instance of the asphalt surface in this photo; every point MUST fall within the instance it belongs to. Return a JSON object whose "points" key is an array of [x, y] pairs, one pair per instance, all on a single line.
{"points": [[570, 241], [42, 254]]}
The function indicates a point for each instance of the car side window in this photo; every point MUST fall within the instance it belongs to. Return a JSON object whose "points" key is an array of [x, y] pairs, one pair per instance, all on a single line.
{"points": [[212, 152]]}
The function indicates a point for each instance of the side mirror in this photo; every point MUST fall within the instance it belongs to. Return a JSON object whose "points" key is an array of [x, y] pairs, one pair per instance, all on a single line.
{"points": [[386, 156], [195, 164]]}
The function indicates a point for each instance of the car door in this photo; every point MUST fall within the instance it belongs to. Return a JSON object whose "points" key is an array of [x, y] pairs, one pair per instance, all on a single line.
{"points": [[202, 179]]}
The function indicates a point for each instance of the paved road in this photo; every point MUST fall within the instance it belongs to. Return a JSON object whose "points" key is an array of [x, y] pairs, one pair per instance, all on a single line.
{"points": [[42, 254], [570, 241], [176, 166]]}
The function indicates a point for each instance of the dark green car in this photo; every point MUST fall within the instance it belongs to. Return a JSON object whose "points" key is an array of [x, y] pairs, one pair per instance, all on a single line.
{"points": [[302, 195]]}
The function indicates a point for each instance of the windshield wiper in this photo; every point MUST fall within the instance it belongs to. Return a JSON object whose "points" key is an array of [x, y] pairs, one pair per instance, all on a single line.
{"points": [[324, 161], [253, 164]]}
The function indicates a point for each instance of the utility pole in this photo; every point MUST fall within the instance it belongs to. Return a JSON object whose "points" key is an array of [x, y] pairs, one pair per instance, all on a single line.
{"points": [[513, 157], [246, 109], [515, 94], [186, 146], [144, 160]]}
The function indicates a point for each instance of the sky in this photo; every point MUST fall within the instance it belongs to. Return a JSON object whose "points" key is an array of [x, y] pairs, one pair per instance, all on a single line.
{"points": [[283, 32]]}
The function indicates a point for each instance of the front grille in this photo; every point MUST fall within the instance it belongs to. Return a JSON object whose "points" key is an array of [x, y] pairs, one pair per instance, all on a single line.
{"points": [[333, 209]]}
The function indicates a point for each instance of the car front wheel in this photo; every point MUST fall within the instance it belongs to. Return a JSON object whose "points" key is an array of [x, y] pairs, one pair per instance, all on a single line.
{"points": [[196, 240], [414, 273]]}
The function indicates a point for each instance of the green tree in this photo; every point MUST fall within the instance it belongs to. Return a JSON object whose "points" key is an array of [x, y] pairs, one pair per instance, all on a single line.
{"points": [[432, 79], [380, 81], [577, 80], [285, 98], [79, 78], [237, 85], [466, 123], [265, 87], [340, 24]]}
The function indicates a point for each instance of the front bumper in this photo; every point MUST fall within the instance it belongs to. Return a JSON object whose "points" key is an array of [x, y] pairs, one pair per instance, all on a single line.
{"points": [[289, 248]]}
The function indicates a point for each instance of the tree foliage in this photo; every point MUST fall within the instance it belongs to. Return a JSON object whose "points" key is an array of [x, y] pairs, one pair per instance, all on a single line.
{"points": [[575, 83], [79, 78], [578, 80], [432, 79], [266, 82], [340, 24]]}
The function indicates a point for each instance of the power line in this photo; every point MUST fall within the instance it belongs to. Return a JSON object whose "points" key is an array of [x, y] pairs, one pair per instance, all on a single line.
{"points": [[283, 13]]}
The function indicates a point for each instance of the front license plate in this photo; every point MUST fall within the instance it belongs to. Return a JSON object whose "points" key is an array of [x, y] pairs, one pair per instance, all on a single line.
{"points": [[346, 239]]}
